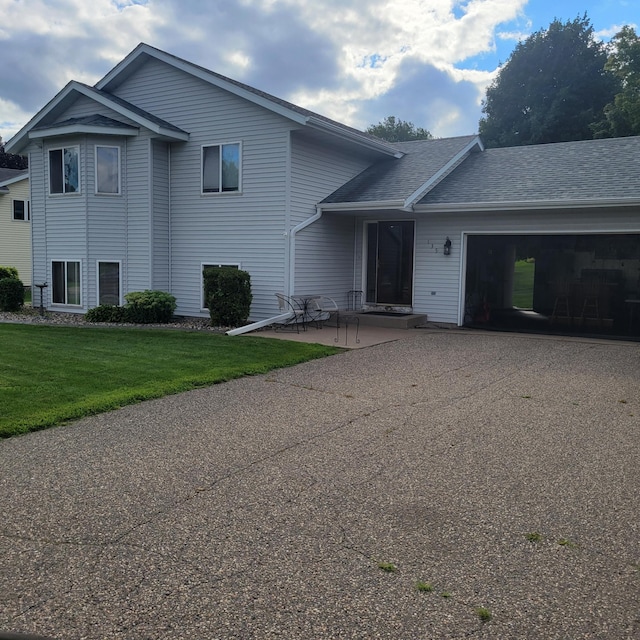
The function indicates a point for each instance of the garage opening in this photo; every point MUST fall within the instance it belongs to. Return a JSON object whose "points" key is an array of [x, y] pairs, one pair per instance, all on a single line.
{"points": [[586, 283]]}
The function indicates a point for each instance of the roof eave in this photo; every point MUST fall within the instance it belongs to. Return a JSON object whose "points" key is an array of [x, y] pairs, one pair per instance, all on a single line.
{"points": [[528, 205], [362, 206], [70, 129]]}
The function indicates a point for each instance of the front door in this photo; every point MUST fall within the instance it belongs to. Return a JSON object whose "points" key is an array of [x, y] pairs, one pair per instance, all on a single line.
{"points": [[390, 263]]}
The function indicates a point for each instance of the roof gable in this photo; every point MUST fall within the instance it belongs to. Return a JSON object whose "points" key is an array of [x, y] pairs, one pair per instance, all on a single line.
{"points": [[46, 123], [136, 59], [402, 182]]}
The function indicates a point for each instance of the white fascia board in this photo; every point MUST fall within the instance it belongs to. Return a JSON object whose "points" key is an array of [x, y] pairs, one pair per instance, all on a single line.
{"points": [[362, 206], [82, 128], [528, 205], [435, 178]]}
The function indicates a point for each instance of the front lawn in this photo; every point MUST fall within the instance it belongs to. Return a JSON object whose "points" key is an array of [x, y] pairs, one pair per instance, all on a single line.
{"points": [[49, 375]]}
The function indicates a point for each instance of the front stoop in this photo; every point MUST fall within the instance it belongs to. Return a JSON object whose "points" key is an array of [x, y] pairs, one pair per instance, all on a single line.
{"points": [[391, 320]]}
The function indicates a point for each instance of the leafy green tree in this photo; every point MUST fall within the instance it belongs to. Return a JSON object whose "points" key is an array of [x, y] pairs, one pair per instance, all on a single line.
{"points": [[396, 130], [622, 116], [11, 160], [551, 89]]}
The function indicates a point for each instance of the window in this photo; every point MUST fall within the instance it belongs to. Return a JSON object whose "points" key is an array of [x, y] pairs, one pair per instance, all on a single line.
{"points": [[108, 283], [108, 170], [64, 174], [66, 282], [204, 266], [221, 168], [21, 210]]}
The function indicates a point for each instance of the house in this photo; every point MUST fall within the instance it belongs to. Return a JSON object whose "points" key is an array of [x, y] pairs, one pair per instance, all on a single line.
{"points": [[15, 222], [164, 167]]}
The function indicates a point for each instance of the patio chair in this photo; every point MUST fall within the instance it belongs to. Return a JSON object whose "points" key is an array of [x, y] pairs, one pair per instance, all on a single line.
{"points": [[321, 308], [287, 305]]}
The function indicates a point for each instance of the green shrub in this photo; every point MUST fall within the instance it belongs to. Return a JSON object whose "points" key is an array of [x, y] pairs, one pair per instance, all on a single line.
{"points": [[8, 272], [149, 306], [11, 294], [106, 313], [228, 294]]}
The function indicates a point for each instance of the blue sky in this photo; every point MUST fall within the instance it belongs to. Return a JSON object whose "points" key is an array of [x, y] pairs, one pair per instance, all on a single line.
{"points": [[357, 61]]}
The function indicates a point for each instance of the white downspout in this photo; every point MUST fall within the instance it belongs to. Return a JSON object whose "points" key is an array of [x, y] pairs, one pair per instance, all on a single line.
{"points": [[292, 247]]}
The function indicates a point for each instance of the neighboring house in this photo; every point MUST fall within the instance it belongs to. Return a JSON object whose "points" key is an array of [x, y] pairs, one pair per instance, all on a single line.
{"points": [[164, 167], [15, 222]]}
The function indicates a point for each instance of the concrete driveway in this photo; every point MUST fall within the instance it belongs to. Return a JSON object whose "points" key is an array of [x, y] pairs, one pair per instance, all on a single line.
{"points": [[501, 471]]}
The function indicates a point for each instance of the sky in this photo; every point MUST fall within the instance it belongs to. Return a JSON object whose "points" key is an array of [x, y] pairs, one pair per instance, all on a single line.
{"points": [[356, 61]]}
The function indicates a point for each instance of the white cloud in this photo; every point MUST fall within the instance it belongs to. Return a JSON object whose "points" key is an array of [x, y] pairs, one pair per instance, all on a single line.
{"points": [[352, 60]]}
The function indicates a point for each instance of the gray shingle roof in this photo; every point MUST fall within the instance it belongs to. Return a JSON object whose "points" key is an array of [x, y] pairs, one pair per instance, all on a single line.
{"points": [[9, 174], [587, 170], [396, 179], [95, 120]]}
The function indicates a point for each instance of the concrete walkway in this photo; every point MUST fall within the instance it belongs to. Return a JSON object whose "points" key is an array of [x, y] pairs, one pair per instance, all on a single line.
{"points": [[500, 471]]}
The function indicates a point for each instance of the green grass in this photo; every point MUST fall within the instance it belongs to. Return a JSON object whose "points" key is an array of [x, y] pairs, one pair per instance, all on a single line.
{"points": [[523, 284], [50, 375]]}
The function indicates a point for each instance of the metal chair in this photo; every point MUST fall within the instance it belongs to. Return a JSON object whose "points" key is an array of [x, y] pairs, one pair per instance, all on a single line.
{"points": [[296, 314], [321, 308]]}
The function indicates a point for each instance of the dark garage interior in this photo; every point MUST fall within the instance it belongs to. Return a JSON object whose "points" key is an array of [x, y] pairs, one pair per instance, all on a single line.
{"points": [[575, 284]]}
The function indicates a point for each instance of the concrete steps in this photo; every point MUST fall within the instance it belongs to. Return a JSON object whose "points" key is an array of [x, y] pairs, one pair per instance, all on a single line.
{"points": [[389, 320]]}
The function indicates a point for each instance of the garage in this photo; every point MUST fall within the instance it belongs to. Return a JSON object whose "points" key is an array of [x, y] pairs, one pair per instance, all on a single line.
{"points": [[587, 283]]}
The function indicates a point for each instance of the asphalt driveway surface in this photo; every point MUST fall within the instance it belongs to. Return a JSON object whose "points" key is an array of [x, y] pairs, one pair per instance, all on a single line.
{"points": [[500, 471]]}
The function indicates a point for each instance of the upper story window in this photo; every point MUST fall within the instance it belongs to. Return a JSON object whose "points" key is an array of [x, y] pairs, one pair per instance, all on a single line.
{"points": [[221, 168], [64, 170], [108, 170], [21, 210]]}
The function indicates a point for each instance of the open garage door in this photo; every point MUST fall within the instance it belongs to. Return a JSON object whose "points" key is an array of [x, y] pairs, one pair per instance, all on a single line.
{"points": [[587, 283]]}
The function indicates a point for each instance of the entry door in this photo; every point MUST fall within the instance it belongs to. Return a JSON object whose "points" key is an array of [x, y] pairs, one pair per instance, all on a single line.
{"points": [[390, 262]]}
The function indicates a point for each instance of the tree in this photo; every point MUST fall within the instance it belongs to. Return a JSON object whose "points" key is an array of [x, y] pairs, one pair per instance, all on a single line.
{"points": [[553, 86], [396, 130], [11, 160], [622, 116]]}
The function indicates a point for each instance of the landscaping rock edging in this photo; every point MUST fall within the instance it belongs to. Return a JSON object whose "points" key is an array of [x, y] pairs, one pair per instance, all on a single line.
{"points": [[29, 315]]}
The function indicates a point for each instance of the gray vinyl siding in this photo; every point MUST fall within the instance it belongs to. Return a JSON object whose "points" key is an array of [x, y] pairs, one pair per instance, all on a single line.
{"points": [[323, 250], [160, 216], [443, 274], [37, 177], [244, 228]]}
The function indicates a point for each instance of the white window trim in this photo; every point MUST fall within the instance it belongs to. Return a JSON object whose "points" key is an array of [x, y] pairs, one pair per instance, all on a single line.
{"points": [[95, 160], [64, 193], [66, 292], [221, 192], [119, 263], [27, 210], [212, 263]]}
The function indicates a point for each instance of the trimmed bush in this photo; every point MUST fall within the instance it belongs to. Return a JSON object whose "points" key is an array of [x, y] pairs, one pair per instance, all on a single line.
{"points": [[11, 294], [106, 313], [8, 272], [228, 294], [149, 306]]}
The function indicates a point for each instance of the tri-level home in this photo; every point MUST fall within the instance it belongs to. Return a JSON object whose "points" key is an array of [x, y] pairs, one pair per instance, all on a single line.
{"points": [[164, 167], [15, 222]]}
